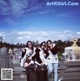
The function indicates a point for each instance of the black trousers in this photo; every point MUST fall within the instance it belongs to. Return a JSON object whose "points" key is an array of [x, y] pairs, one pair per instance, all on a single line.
{"points": [[39, 73], [42, 73]]}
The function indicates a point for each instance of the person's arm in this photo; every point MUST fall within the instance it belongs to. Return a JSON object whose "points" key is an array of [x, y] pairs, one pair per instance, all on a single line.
{"points": [[54, 50], [32, 54], [22, 61], [42, 57]]}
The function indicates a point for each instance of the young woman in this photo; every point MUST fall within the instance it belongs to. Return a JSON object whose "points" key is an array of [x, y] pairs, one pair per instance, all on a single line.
{"points": [[40, 61], [28, 63], [44, 52], [52, 59], [22, 61]]}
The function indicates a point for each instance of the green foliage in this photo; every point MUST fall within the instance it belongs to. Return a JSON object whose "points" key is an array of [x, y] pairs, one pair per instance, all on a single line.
{"points": [[59, 55], [60, 44]]}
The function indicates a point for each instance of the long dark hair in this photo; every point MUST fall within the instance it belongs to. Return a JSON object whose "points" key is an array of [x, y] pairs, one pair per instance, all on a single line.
{"points": [[49, 41], [37, 56], [48, 47], [45, 49], [54, 50], [28, 46]]}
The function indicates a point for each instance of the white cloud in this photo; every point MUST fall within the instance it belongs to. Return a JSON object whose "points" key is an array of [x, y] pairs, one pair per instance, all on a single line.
{"points": [[2, 34], [4, 9], [23, 36], [67, 31], [24, 33], [14, 7], [18, 6], [45, 35], [21, 7], [20, 38], [78, 33]]}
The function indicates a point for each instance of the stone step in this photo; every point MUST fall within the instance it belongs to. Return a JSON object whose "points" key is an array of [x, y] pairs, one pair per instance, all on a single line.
{"points": [[70, 80], [62, 65], [73, 64], [76, 69], [65, 79]]}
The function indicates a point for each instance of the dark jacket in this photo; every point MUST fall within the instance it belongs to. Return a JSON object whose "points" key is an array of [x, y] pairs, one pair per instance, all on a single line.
{"points": [[36, 57], [46, 52], [54, 50]]}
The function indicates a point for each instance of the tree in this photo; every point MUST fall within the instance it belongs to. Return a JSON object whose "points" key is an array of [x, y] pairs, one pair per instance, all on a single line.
{"points": [[37, 42]]}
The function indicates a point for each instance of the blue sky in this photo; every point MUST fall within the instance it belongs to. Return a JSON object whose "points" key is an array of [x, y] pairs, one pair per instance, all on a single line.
{"points": [[34, 20]]}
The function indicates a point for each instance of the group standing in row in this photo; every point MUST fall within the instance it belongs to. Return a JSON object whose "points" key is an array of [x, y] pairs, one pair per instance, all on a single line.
{"points": [[42, 58]]}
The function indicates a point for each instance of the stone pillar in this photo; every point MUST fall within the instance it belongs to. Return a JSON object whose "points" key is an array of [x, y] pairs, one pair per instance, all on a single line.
{"points": [[4, 58], [4, 62]]}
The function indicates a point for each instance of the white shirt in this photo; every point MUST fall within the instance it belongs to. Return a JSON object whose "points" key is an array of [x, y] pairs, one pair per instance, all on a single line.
{"points": [[43, 57], [52, 58], [28, 51]]}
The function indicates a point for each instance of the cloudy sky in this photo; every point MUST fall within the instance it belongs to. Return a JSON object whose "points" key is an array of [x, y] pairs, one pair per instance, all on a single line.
{"points": [[22, 20]]}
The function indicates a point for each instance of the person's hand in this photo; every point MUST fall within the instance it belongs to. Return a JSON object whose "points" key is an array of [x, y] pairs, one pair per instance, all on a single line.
{"points": [[29, 58], [44, 55], [42, 64], [26, 64]]}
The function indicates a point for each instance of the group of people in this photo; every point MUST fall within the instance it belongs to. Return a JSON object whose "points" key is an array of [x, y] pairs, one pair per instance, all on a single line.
{"points": [[42, 58]]}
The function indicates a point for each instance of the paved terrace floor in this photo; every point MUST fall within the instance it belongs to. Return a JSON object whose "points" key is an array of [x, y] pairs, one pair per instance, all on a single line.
{"points": [[69, 73]]}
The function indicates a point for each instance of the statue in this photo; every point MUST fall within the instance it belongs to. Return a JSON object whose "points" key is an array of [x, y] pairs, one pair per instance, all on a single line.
{"points": [[76, 49], [72, 53]]}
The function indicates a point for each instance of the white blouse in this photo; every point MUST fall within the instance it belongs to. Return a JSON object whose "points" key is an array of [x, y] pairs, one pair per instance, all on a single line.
{"points": [[42, 56], [52, 58], [28, 53]]}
